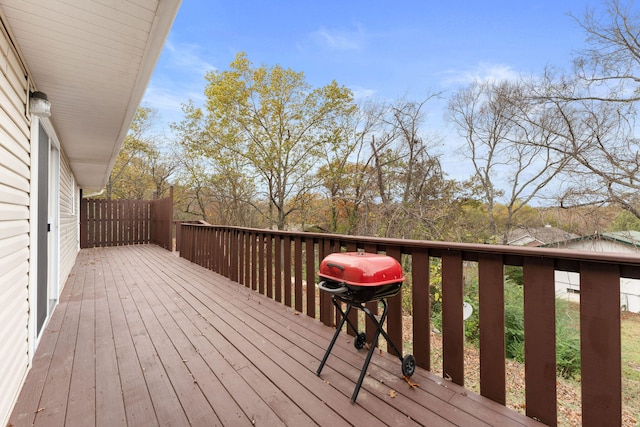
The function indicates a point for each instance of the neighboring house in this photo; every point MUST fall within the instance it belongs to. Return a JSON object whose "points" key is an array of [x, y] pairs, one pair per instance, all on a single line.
{"points": [[538, 236], [93, 60], [568, 284]]}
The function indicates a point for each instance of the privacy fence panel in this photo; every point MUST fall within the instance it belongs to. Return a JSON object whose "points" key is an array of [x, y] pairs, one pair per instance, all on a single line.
{"points": [[126, 222]]}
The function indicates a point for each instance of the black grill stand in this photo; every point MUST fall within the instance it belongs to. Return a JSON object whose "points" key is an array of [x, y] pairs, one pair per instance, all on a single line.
{"points": [[408, 362]]}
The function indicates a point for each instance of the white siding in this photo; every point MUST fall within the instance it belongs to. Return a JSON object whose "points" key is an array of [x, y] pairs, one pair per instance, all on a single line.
{"points": [[69, 219], [568, 287], [15, 163]]}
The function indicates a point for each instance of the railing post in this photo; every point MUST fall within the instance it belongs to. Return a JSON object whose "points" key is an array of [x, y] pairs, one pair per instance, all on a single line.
{"points": [[247, 259], [269, 265], [353, 314], [277, 266], [261, 263], [540, 339], [326, 306], [297, 273], [421, 308], [600, 344], [452, 321], [254, 260], [311, 277], [287, 270], [491, 315], [370, 327], [394, 318]]}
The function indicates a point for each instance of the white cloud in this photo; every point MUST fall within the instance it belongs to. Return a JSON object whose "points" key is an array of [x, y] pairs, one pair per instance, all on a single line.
{"points": [[338, 39], [170, 99], [362, 93], [484, 72], [187, 57]]}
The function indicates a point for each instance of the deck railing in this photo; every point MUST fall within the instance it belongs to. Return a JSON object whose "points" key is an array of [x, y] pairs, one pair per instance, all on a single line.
{"points": [[265, 260]]}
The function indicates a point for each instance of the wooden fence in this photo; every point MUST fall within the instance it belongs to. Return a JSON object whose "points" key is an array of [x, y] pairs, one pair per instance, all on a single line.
{"points": [[126, 222], [162, 222]]}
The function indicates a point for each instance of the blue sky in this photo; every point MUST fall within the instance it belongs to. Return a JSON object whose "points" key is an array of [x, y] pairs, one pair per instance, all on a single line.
{"points": [[382, 49]]}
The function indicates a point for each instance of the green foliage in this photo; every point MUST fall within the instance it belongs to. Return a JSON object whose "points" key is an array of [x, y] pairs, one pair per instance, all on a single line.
{"points": [[567, 326], [142, 168], [625, 221], [515, 274], [273, 120], [567, 332], [514, 320], [567, 339]]}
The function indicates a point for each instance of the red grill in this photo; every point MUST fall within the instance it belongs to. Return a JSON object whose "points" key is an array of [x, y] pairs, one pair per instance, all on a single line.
{"points": [[355, 278]]}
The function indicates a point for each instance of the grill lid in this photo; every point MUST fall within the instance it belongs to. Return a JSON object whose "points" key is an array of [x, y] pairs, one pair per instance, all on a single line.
{"points": [[361, 269]]}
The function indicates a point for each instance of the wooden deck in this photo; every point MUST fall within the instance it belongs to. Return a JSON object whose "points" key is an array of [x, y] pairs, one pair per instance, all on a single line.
{"points": [[142, 337]]}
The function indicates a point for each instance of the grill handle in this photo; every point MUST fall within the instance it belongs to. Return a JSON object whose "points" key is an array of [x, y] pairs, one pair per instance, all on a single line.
{"points": [[338, 266], [340, 290]]}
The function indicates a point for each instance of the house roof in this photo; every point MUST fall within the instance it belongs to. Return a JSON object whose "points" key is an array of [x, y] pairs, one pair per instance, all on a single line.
{"points": [[630, 237], [538, 236], [93, 59]]}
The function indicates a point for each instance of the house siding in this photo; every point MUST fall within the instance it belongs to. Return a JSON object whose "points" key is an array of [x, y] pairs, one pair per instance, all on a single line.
{"points": [[69, 220], [15, 175], [567, 284]]}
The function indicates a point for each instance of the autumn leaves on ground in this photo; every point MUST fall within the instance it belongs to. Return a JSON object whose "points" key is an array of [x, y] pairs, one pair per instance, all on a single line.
{"points": [[568, 391]]}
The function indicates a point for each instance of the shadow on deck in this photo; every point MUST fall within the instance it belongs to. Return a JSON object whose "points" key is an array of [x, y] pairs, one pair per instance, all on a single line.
{"points": [[142, 337]]}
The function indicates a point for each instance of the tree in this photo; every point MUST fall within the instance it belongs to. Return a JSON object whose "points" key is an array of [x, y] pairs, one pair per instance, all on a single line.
{"points": [[596, 106], [344, 174], [610, 64], [278, 124], [217, 185], [508, 138], [161, 166], [599, 138], [142, 167], [412, 196]]}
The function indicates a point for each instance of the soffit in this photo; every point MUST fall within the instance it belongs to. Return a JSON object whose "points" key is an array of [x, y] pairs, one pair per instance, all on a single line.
{"points": [[93, 59]]}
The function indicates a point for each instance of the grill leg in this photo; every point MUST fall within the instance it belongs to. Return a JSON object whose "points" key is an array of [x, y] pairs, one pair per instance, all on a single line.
{"points": [[379, 324], [386, 336], [335, 335]]}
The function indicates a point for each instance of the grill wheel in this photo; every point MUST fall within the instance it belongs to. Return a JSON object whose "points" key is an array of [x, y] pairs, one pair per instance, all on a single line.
{"points": [[408, 365], [360, 341]]}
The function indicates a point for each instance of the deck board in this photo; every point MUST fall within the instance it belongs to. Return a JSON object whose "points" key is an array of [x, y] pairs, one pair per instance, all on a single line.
{"points": [[143, 337]]}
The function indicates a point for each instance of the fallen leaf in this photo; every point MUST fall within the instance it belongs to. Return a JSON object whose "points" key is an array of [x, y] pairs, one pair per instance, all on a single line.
{"points": [[392, 393]]}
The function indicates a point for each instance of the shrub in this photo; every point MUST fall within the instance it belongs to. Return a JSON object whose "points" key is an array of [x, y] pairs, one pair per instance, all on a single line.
{"points": [[567, 340], [514, 274], [514, 320], [567, 328]]}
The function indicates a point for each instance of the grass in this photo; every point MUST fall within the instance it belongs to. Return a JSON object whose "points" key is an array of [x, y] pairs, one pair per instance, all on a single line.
{"points": [[630, 334], [630, 349]]}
